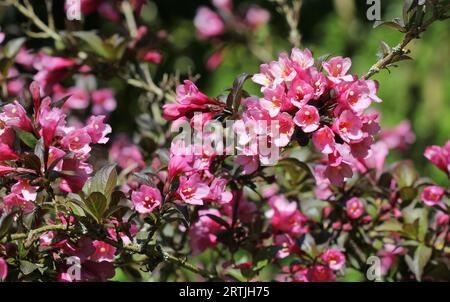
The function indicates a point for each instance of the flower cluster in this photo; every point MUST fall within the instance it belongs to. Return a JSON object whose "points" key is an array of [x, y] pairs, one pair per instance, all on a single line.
{"points": [[329, 108], [61, 149]]}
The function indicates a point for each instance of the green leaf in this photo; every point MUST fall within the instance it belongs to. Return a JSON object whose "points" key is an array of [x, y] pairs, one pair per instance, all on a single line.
{"points": [[104, 181], [26, 137], [405, 174], [235, 96], [408, 193], [264, 256], [95, 43], [76, 209], [96, 203], [390, 225], [26, 267], [294, 171], [12, 47], [5, 223], [421, 257]]}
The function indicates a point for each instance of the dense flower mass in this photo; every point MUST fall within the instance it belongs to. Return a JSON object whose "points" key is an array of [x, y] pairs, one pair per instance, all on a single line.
{"points": [[66, 147], [112, 168], [327, 107]]}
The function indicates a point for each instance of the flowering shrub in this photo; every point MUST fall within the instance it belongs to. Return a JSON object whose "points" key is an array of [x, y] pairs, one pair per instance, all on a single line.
{"points": [[290, 184]]}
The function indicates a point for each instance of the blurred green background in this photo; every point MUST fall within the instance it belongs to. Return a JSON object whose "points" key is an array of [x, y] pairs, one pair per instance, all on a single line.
{"points": [[417, 90]]}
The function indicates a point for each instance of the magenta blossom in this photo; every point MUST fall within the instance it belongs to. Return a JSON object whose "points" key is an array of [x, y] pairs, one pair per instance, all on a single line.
{"points": [[439, 156], [432, 195], [98, 130], [146, 199], [349, 127], [15, 115], [3, 269], [256, 16], [355, 208], [208, 23], [334, 258], [192, 190], [323, 140], [202, 233], [103, 252], [103, 101], [307, 118]]}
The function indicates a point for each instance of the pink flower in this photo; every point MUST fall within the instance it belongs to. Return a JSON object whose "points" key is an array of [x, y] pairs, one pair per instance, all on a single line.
{"points": [[249, 163], [15, 115], [307, 118], [125, 153], [79, 98], [302, 59], [214, 60], [245, 209], [273, 100], [323, 140], [6, 153], [103, 252], [322, 189], [108, 11], [286, 217], [349, 127], [355, 208], [177, 165], [432, 195], [103, 101], [51, 70], [218, 192], [3, 269], [334, 258], [15, 200], [439, 156], [337, 69], [77, 141], [23, 188], [287, 244], [202, 233], [189, 100], [388, 256], [51, 120], [300, 92], [399, 137], [320, 273], [208, 23], [152, 57], [146, 199], [284, 128], [225, 5], [337, 174], [97, 129], [15, 84], [377, 157], [360, 94], [256, 16], [192, 190], [78, 174]]}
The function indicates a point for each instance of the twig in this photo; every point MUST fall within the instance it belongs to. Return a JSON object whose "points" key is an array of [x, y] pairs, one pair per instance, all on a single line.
{"points": [[292, 15], [399, 50], [30, 14]]}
